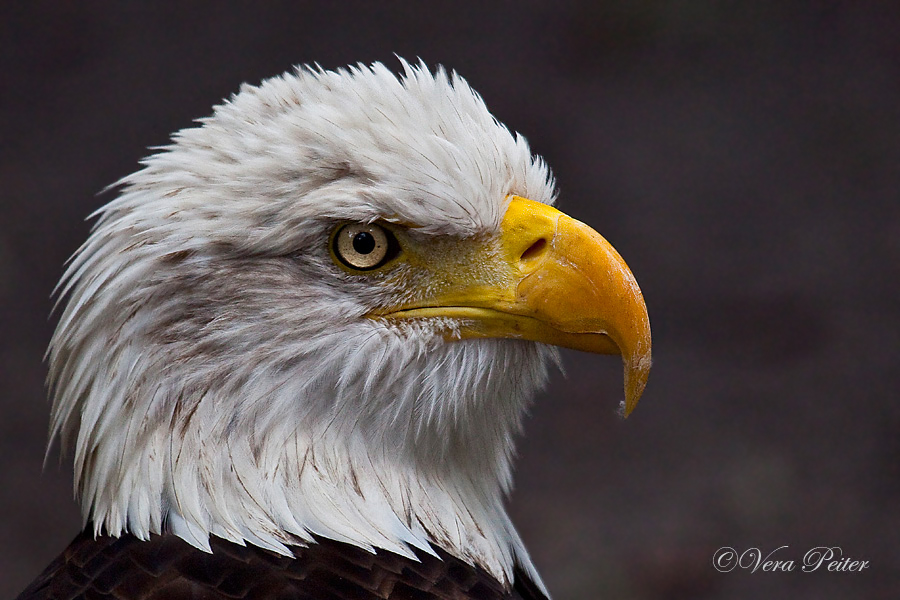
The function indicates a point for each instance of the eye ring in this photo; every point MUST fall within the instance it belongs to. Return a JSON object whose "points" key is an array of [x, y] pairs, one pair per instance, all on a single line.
{"points": [[363, 246]]}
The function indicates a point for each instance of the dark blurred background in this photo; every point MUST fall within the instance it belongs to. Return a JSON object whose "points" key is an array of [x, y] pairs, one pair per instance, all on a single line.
{"points": [[744, 157]]}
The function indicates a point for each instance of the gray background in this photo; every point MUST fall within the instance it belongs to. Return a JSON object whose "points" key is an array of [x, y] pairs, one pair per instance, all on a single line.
{"points": [[743, 158]]}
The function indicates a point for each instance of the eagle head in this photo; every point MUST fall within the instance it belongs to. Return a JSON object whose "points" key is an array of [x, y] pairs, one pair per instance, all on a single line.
{"points": [[322, 312]]}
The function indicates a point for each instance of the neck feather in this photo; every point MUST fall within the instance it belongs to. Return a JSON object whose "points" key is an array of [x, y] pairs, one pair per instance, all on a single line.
{"points": [[257, 457]]}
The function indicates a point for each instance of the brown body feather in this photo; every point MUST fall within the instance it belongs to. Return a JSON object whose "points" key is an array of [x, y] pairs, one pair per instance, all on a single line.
{"points": [[166, 567]]}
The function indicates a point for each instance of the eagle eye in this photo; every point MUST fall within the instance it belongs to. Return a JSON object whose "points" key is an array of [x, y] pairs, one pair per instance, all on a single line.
{"points": [[362, 246]]}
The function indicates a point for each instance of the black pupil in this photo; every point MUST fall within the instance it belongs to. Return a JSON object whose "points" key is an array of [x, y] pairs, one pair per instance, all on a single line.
{"points": [[363, 242]]}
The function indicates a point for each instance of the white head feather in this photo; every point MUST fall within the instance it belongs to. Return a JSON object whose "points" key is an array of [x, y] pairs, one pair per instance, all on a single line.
{"points": [[214, 369]]}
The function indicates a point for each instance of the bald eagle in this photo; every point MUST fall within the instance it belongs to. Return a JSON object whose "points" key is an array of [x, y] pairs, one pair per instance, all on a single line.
{"points": [[296, 348]]}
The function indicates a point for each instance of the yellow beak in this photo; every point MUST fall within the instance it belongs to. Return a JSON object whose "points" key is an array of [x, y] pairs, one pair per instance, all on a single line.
{"points": [[550, 279]]}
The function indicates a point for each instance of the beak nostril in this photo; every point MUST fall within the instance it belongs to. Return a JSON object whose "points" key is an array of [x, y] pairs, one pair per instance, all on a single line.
{"points": [[534, 250]]}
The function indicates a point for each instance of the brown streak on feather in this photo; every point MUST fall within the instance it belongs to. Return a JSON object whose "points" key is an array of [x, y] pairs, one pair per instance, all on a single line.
{"points": [[355, 480], [303, 464], [174, 258]]}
